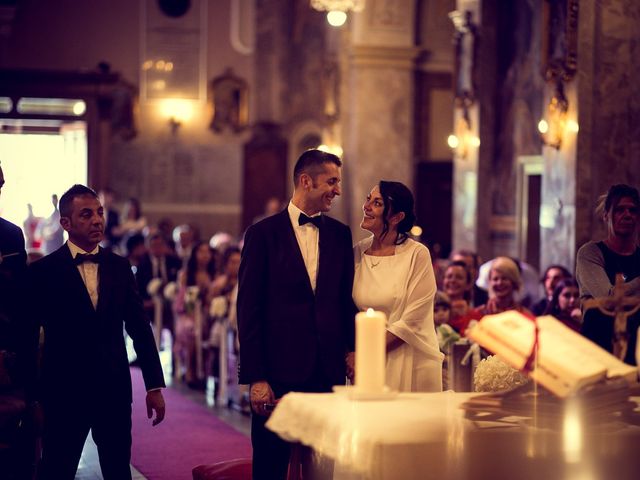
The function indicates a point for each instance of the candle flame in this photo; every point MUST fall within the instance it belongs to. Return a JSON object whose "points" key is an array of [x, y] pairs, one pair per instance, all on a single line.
{"points": [[370, 312]]}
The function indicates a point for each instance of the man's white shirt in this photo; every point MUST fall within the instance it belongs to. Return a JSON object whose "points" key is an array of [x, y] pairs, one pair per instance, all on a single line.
{"points": [[88, 271], [308, 237]]}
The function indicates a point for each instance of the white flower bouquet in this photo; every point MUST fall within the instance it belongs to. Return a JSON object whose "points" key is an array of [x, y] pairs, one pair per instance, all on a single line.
{"points": [[218, 307], [153, 287], [493, 375], [170, 291]]}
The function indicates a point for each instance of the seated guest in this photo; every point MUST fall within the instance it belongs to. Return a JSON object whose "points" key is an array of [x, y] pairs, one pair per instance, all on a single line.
{"points": [[111, 218], [131, 222], [194, 282], [184, 238], [441, 309], [529, 277], [565, 304], [598, 263], [552, 275], [446, 334], [457, 284], [136, 250], [160, 264], [479, 295], [504, 284]]}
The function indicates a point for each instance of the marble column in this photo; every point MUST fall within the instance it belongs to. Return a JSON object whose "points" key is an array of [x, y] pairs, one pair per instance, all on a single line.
{"points": [[378, 89], [608, 147]]}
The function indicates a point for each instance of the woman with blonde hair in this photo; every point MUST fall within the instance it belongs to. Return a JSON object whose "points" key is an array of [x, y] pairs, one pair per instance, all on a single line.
{"points": [[504, 282]]}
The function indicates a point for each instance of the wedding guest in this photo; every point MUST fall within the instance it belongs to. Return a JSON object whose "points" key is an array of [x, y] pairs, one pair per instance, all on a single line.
{"points": [[50, 231], [223, 292], [394, 274], [529, 278], [184, 237], [159, 263], [479, 295], [295, 313], [131, 222], [194, 282], [85, 296], [136, 251], [552, 275], [565, 304], [441, 309], [111, 218], [457, 284], [30, 227], [598, 263], [504, 283], [13, 266], [161, 267]]}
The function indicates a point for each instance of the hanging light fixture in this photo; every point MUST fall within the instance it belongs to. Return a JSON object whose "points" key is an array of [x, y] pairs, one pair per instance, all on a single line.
{"points": [[337, 9]]}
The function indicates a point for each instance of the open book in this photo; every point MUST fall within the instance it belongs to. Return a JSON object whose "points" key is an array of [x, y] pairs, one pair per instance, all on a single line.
{"points": [[565, 361]]}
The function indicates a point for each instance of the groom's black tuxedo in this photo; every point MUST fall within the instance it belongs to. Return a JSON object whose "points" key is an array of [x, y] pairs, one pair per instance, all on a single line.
{"points": [[288, 333], [85, 381], [290, 336]]}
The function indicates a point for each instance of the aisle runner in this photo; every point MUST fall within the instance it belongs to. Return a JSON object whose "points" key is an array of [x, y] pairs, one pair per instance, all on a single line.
{"points": [[190, 435]]}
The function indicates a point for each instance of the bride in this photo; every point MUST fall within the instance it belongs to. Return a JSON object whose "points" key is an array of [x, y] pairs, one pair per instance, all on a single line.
{"points": [[394, 274]]}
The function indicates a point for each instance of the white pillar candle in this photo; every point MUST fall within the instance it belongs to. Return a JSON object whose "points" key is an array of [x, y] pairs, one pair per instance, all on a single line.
{"points": [[370, 351]]}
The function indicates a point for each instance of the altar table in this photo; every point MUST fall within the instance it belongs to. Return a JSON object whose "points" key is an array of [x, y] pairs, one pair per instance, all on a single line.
{"points": [[426, 436]]}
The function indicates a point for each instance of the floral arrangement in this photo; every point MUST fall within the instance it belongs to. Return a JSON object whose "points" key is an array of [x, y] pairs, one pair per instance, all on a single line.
{"points": [[190, 299], [218, 307], [170, 291], [446, 336], [493, 375], [153, 287]]}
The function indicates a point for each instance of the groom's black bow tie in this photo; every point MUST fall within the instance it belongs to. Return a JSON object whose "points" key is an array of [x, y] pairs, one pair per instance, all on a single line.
{"points": [[86, 257], [304, 219]]}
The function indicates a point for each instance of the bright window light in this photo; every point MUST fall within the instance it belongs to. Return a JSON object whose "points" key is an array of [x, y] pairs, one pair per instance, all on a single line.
{"points": [[36, 166]]}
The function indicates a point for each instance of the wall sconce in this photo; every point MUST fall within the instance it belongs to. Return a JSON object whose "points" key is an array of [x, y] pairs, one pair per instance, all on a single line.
{"points": [[463, 139], [554, 127], [177, 112]]}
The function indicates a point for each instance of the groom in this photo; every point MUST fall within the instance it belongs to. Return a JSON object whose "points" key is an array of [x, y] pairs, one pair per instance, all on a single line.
{"points": [[295, 312], [83, 295]]}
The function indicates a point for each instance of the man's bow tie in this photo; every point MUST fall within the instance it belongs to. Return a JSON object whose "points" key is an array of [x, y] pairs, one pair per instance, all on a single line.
{"points": [[86, 257], [304, 219]]}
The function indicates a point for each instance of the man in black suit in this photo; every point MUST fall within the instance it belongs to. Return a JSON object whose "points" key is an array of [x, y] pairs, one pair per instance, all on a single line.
{"points": [[13, 264], [162, 264], [83, 295], [295, 311]]}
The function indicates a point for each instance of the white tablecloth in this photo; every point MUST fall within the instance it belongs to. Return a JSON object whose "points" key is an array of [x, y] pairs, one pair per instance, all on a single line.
{"points": [[424, 436]]}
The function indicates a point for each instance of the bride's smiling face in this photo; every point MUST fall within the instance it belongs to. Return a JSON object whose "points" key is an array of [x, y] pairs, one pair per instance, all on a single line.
{"points": [[373, 210]]}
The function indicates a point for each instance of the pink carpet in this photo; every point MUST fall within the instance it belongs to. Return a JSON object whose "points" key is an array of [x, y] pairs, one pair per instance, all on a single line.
{"points": [[190, 435]]}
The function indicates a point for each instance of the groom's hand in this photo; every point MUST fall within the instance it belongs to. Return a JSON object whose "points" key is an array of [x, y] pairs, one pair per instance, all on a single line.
{"points": [[263, 401], [350, 360]]}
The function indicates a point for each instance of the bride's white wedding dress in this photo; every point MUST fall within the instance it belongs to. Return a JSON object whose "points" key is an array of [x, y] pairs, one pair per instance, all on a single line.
{"points": [[403, 286]]}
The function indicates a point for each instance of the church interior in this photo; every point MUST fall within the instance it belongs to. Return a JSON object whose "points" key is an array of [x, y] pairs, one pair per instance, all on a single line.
{"points": [[506, 119]]}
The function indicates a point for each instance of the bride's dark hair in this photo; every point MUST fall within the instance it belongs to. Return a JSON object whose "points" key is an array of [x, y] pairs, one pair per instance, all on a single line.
{"points": [[397, 198]]}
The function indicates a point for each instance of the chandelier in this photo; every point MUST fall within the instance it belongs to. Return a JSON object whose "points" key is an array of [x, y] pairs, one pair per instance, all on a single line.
{"points": [[337, 9]]}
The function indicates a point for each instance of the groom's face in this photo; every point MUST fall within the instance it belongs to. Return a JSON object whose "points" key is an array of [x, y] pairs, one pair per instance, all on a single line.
{"points": [[325, 187]]}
